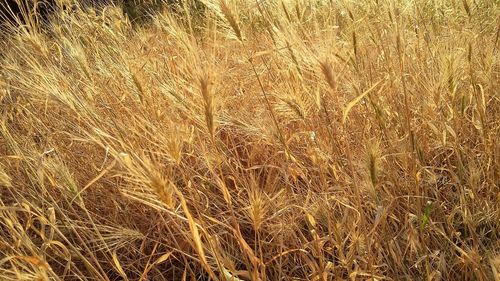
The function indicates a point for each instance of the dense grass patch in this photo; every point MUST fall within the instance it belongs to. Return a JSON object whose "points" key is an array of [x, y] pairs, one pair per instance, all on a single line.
{"points": [[253, 140]]}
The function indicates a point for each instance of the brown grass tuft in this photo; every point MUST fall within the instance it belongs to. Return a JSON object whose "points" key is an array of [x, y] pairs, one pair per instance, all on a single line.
{"points": [[253, 140]]}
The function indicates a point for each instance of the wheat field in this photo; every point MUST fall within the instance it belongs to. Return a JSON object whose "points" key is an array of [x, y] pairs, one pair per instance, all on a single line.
{"points": [[253, 140]]}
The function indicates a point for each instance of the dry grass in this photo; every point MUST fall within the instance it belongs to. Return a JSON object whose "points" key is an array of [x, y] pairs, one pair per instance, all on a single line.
{"points": [[260, 140]]}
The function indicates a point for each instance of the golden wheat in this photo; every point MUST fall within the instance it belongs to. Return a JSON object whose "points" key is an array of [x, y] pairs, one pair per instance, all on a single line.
{"points": [[253, 140]]}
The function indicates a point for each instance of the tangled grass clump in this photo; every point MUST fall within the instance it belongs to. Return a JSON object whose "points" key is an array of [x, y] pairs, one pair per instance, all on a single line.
{"points": [[255, 140]]}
